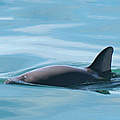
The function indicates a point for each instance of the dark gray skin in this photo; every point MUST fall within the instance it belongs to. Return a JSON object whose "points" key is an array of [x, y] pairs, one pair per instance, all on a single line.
{"points": [[70, 77], [63, 76]]}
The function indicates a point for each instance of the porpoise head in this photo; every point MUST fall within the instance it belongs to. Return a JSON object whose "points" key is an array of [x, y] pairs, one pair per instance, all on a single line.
{"points": [[18, 80]]}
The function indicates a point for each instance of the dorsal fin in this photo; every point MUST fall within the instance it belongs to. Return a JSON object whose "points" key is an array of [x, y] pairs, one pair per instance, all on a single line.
{"points": [[102, 63]]}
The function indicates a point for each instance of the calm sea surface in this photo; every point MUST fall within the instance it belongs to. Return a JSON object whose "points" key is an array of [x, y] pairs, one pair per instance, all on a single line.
{"points": [[38, 33]]}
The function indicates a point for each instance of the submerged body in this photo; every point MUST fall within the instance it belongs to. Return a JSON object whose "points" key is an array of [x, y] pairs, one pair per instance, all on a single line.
{"points": [[67, 76]]}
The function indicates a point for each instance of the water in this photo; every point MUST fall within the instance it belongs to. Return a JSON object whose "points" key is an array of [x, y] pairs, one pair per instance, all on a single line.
{"points": [[37, 33]]}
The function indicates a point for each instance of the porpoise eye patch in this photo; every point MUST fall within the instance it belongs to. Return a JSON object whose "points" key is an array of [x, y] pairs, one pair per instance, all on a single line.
{"points": [[23, 77]]}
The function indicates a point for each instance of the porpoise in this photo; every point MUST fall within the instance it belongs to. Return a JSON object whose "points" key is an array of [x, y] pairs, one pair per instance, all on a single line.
{"points": [[68, 76]]}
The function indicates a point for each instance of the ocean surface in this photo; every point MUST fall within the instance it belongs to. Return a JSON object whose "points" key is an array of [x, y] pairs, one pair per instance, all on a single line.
{"points": [[38, 33]]}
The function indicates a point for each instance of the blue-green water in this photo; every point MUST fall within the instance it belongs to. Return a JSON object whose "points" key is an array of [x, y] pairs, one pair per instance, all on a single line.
{"points": [[37, 33]]}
